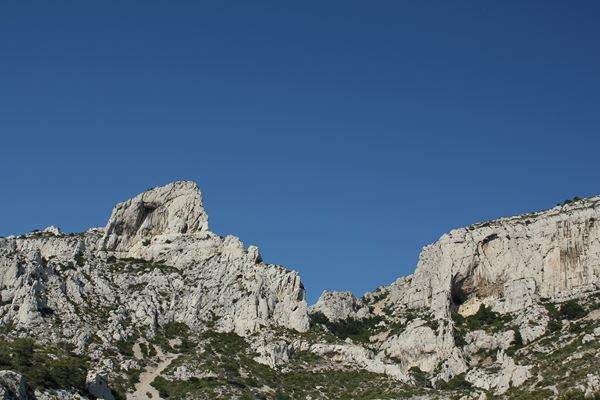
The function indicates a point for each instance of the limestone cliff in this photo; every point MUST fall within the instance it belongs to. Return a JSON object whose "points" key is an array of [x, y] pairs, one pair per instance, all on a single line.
{"points": [[509, 264], [154, 262], [171, 209], [508, 270], [155, 304]]}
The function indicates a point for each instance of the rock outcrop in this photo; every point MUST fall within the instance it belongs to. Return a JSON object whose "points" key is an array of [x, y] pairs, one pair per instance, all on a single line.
{"points": [[153, 244], [13, 386], [339, 306], [510, 263], [486, 307], [172, 209]]}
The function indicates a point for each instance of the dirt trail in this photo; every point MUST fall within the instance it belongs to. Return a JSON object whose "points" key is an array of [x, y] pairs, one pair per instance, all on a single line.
{"points": [[143, 389]]}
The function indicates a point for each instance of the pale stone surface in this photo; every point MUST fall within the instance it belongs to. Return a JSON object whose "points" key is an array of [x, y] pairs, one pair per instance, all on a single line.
{"points": [[509, 374], [478, 340], [156, 262], [340, 305], [54, 230], [510, 262], [420, 346], [510, 265], [532, 323], [587, 338], [172, 209], [206, 275], [358, 356], [13, 386]]}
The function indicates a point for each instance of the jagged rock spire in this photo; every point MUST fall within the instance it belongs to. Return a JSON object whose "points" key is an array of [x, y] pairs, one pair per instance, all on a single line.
{"points": [[171, 209]]}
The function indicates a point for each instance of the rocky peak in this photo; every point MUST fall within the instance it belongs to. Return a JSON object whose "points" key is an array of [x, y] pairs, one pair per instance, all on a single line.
{"points": [[487, 306], [175, 208], [509, 263], [157, 260], [340, 306]]}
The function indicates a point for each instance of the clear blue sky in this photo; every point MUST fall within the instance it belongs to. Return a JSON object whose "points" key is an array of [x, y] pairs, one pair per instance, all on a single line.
{"points": [[338, 136]]}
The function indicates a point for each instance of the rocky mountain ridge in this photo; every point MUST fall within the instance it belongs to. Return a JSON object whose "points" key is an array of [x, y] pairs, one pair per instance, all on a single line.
{"points": [[155, 304]]}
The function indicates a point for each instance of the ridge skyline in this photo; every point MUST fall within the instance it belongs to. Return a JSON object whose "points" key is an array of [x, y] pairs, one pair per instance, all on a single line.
{"points": [[312, 296]]}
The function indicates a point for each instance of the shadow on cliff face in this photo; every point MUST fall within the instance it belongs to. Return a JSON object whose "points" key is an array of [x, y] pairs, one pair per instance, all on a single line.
{"points": [[472, 282], [461, 289]]}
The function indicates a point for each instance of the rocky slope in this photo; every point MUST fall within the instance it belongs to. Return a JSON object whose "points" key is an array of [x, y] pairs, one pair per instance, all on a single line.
{"points": [[487, 288], [156, 305]]}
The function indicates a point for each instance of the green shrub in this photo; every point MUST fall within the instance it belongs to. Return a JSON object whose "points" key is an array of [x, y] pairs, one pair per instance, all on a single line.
{"points": [[518, 340], [527, 394], [569, 201], [555, 325], [80, 260], [67, 372], [552, 310], [456, 383], [318, 318], [125, 346], [173, 330], [43, 367], [572, 310], [22, 353], [459, 337], [359, 330], [573, 394], [484, 318]]}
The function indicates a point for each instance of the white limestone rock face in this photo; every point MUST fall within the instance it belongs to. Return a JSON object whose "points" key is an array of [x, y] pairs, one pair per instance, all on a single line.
{"points": [[354, 356], [155, 262], [339, 306], [481, 340], [509, 263], [508, 375], [532, 323], [172, 209], [13, 386], [421, 346]]}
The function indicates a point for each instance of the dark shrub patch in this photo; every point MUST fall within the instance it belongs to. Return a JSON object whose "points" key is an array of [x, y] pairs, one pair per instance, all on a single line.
{"points": [[572, 310], [359, 330], [43, 367]]}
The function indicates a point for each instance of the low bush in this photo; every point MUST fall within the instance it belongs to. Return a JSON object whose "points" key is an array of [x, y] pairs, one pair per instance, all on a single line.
{"points": [[572, 310], [518, 340], [359, 330], [457, 382], [80, 260], [125, 347], [484, 318], [419, 377], [44, 367]]}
